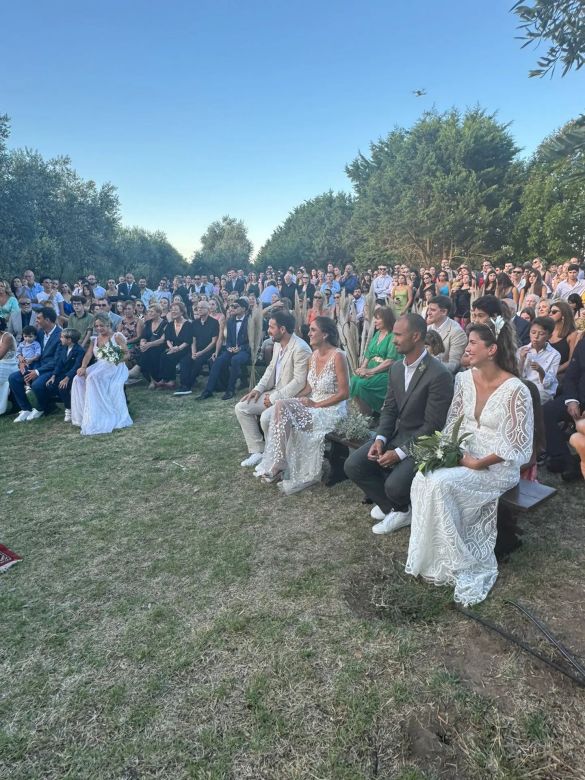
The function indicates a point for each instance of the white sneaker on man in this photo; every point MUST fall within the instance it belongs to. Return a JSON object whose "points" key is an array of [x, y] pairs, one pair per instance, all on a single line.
{"points": [[253, 459], [34, 415], [392, 522], [377, 513], [67, 417], [22, 417]]}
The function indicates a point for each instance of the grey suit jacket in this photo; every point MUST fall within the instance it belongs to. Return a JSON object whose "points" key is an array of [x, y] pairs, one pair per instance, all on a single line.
{"points": [[15, 323], [293, 370], [419, 411]]}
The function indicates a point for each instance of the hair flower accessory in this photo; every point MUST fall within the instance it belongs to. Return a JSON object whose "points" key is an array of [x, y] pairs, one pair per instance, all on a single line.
{"points": [[498, 324]]}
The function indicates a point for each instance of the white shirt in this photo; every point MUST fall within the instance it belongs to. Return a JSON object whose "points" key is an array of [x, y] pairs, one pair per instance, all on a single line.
{"points": [[47, 336], [549, 360], [564, 289], [278, 367], [382, 286], [238, 326]]}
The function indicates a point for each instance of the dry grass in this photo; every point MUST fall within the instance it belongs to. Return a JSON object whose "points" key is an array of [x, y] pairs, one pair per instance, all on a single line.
{"points": [[175, 619]]}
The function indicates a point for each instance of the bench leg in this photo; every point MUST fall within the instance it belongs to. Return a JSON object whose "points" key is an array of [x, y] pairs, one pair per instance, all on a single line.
{"points": [[337, 456], [508, 533]]}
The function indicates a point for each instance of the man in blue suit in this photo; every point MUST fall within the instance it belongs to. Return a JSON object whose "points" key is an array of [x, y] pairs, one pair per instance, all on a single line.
{"points": [[69, 357], [48, 337], [235, 354]]}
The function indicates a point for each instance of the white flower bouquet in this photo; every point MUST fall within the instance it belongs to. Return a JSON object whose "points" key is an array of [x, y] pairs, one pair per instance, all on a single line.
{"points": [[110, 353], [438, 451]]}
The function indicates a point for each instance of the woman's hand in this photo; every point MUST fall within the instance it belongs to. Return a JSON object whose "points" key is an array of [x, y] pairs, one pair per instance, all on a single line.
{"points": [[470, 462], [306, 401], [81, 371]]}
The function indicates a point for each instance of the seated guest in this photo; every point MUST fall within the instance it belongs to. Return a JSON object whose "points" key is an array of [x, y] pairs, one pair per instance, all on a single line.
{"points": [[48, 337], [578, 310], [510, 312], [577, 441], [289, 288], [23, 317], [205, 329], [69, 357], [420, 389], [235, 354], [152, 344], [565, 335], [178, 337], [28, 351], [369, 384], [538, 361], [285, 377], [102, 306], [8, 364], [295, 443], [568, 407], [453, 335], [528, 314]]}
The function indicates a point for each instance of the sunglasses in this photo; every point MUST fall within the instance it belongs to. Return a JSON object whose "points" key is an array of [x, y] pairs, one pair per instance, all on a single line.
{"points": [[24, 303], [554, 311]]}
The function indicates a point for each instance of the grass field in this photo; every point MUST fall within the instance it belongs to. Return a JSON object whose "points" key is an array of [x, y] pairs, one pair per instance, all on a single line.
{"points": [[173, 618]]}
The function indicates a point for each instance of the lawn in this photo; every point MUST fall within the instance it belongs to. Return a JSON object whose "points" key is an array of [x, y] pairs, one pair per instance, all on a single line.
{"points": [[173, 618]]}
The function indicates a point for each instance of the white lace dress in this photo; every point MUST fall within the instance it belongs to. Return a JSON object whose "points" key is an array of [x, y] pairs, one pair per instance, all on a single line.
{"points": [[454, 510], [296, 437], [98, 403]]}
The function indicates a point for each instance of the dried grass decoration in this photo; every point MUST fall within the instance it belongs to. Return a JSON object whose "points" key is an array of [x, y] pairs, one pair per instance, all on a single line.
{"points": [[255, 332], [348, 332], [369, 326], [300, 313]]}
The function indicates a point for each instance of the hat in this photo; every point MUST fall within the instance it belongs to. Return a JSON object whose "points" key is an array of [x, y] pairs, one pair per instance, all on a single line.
{"points": [[243, 302]]}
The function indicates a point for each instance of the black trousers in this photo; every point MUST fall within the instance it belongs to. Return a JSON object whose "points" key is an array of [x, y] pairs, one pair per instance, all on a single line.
{"points": [[168, 364], [555, 412], [149, 363], [191, 368], [389, 488]]}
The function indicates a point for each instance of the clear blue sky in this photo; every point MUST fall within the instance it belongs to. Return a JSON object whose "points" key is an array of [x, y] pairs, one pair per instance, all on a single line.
{"points": [[200, 108]]}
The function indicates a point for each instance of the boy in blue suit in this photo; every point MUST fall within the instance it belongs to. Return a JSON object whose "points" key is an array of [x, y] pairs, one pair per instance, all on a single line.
{"points": [[69, 357]]}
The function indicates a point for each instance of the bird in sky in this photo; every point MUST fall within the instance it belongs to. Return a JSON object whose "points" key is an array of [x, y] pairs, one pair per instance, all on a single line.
{"points": [[419, 92]]}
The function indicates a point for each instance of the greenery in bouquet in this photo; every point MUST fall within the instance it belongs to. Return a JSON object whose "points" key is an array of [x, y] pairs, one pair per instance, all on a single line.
{"points": [[439, 451], [355, 426], [111, 354]]}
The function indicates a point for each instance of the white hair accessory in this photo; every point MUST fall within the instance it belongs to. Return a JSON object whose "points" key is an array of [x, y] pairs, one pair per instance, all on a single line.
{"points": [[498, 324]]}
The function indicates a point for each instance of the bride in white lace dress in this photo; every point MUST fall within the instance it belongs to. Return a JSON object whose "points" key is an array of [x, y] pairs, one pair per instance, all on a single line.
{"points": [[454, 510], [293, 455], [98, 403]]}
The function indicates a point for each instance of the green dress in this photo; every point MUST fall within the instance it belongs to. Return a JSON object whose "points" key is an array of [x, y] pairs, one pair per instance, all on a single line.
{"points": [[372, 389]]}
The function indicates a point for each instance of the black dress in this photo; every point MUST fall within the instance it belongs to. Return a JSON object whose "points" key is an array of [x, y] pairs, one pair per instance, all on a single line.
{"points": [[168, 363], [149, 361]]}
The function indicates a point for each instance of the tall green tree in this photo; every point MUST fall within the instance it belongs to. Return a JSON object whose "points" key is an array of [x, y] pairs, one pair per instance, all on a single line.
{"points": [[146, 253], [224, 245], [313, 232], [447, 187]]}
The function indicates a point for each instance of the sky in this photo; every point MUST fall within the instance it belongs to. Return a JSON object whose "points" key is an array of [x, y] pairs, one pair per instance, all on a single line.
{"points": [[195, 109]]}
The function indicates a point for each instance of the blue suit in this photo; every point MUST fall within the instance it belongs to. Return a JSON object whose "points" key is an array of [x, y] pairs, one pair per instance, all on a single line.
{"points": [[45, 367], [234, 360], [66, 365]]}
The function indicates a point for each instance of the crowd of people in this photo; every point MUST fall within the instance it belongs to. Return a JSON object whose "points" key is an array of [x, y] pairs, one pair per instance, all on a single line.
{"points": [[498, 351]]}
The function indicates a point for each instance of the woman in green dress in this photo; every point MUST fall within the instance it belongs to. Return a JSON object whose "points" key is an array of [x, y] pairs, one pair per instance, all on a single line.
{"points": [[402, 294], [369, 383]]}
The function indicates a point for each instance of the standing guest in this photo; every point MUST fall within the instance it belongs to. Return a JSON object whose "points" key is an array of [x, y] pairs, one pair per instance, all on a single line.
{"points": [[48, 337], [572, 284], [235, 355], [8, 364], [145, 292], [112, 293], [131, 328], [306, 289], [427, 285], [179, 288], [98, 402], [538, 361], [349, 280], [97, 291], [576, 303], [402, 294], [357, 308], [534, 286], [490, 284], [319, 308], [128, 290], [31, 288], [269, 290], [205, 336], [23, 317], [382, 285], [81, 320], [17, 287], [162, 292], [69, 357], [443, 283], [418, 396], [8, 303], [454, 510], [51, 296], [67, 305], [565, 335], [452, 334], [329, 287], [461, 291], [102, 306], [152, 345], [87, 292], [235, 283], [369, 384], [366, 282], [252, 286], [505, 288], [285, 377], [178, 336], [289, 288]]}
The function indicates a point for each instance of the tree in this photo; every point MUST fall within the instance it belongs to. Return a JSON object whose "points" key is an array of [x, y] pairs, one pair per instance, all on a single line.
{"points": [[224, 245], [562, 22], [448, 186], [146, 254], [313, 232]]}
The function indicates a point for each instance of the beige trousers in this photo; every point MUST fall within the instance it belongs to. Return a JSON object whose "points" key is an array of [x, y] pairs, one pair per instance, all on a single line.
{"points": [[248, 414]]}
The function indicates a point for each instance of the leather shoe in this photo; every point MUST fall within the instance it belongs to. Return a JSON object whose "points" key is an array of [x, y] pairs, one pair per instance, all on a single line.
{"points": [[556, 465], [205, 394], [392, 522], [573, 473], [226, 396]]}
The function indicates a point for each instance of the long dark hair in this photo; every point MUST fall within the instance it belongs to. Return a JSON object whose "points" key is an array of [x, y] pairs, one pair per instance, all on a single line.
{"points": [[329, 329], [505, 341]]}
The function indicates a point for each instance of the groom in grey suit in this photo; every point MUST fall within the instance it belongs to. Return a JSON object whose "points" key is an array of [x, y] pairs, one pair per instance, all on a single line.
{"points": [[420, 390], [285, 377]]}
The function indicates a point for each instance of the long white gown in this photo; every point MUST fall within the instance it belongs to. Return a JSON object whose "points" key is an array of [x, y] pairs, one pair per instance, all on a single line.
{"points": [[454, 511], [296, 437], [98, 403], [8, 365]]}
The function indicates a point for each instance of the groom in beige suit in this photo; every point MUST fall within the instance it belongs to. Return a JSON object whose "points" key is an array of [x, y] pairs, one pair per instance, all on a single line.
{"points": [[285, 377]]}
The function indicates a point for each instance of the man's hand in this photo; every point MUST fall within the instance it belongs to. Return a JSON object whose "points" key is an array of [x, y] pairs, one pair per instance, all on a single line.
{"points": [[253, 395], [573, 410], [376, 450], [50, 380], [389, 458], [63, 384], [30, 377]]}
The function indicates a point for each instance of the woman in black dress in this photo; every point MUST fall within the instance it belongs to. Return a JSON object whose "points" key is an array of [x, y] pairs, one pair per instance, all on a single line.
{"points": [[178, 337], [152, 344]]}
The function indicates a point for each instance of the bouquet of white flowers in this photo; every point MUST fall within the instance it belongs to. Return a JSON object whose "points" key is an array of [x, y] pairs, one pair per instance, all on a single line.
{"points": [[110, 353], [439, 451]]}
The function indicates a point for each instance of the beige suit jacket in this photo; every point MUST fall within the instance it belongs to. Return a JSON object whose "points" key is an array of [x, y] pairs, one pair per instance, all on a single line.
{"points": [[293, 370], [455, 341]]}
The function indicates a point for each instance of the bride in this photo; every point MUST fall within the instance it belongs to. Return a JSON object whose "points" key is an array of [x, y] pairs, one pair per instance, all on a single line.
{"points": [[454, 510], [294, 448], [98, 403]]}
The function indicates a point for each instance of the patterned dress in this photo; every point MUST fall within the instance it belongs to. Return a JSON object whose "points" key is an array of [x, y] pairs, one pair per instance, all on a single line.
{"points": [[454, 511]]}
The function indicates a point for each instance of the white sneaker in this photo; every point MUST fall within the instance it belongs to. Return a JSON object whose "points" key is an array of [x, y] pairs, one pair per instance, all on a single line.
{"points": [[392, 522], [253, 459], [22, 417], [67, 417], [377, 513], [34, 415]]}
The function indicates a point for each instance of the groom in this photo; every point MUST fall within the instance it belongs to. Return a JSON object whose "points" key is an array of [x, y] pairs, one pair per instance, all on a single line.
{"points": [[420, 389]]}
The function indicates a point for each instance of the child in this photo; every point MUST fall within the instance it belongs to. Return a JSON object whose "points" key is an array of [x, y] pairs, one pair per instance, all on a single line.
{"points": [[29, 349], [538, 362]]}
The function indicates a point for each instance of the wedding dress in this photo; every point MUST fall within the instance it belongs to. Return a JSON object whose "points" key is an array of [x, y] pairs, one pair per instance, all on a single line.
{"points": [[98, 403], [454, 510], [296, 437]]}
